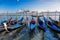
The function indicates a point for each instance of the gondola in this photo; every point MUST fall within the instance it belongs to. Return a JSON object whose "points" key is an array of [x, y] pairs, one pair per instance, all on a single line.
{"points": [[32, 25], [12, 27], [54, 22], [42, 25], [17, 25], [52, 26]]}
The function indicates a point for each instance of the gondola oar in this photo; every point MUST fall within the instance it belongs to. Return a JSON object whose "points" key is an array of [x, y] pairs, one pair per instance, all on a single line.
{"points": [[52, 26]]}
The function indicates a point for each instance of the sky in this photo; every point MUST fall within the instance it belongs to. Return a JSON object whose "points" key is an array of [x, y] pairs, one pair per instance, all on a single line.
{"points": [[40, 5]]}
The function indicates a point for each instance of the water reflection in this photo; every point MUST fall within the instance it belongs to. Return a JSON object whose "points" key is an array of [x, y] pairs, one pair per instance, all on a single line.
{"points": [[26, 35]]}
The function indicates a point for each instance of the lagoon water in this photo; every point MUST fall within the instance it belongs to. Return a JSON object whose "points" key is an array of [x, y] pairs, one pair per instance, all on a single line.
{"points": [[25, 35]]}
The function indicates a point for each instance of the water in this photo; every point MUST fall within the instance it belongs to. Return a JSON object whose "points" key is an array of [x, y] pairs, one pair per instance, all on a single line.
{"points": [[24, 34]]}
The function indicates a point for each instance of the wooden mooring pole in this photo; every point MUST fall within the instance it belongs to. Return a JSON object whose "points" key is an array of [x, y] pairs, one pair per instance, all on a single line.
{"points": [[17, 17], [59, 20]]}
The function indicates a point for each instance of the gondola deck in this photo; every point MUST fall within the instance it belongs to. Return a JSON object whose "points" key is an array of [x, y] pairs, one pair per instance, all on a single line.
{"points": [[14, 26], [32, 26]]}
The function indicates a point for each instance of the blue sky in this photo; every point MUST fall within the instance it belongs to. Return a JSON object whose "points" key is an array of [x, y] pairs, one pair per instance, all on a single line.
{"points": [[40, 5]]}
